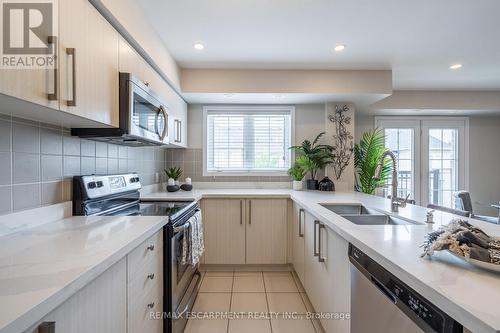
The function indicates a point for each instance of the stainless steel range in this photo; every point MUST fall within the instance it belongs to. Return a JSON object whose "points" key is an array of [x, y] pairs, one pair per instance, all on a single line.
{"points": [[109, 195]]}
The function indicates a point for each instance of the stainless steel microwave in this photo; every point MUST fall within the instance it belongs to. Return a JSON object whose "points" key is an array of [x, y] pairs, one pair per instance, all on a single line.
{"points": [[143, 117]]}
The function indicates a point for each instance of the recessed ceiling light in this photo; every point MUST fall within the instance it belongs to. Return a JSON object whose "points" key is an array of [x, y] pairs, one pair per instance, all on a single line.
{"points": [[339, 47], [228, 95], [198, 46], [278, 96], [456, 66]]}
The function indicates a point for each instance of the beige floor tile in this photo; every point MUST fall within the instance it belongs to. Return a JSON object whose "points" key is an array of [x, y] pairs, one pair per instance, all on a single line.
{"points": [[219, 274], [249, 284], [242, 273], [216, 284], [206, 326], [303, 325], [249, 302], [248, 325], [280, 283], [277, 273], [207, 302], [285, 302]]}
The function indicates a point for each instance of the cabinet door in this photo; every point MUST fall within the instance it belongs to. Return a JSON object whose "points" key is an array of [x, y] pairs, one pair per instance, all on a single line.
{"points": [[101, 306], [266, 231], [299, 242], [89, 49], [224, 231]]}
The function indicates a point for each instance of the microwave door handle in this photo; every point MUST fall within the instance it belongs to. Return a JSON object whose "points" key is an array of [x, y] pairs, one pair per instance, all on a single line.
{"points": [[165, 120], [156, 123]]}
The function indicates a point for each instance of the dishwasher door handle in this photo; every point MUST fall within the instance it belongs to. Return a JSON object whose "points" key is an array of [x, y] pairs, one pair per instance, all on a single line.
{"points": [[384, 290]]}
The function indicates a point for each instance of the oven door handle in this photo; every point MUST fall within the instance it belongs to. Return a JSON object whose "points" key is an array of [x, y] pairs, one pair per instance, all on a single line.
{"points": [[192, 296]]}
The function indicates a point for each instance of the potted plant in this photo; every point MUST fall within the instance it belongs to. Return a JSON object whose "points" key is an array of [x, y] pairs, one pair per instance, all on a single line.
{"points": [[297, 173], [313, 157], [174, 173], [367, 154]]}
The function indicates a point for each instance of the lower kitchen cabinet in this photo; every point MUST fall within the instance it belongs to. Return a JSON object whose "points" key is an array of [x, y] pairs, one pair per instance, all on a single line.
{"points": [[245, 231], [266, 231], [101, 306], [298, 243], [327, 273], [224, 231]]}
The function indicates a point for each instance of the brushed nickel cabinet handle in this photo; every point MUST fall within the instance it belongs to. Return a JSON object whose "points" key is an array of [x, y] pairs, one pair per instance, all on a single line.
{"points": [[249, 211], [301, 212], [320, 258], [241, 211], [151, 276], [52, 40], [180, 131], [47, 327], [316, 222], [150, 247], [151, 305], [70, 51]]}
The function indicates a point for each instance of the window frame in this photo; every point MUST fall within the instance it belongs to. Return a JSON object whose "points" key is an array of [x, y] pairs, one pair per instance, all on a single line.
{"points": [[245, 108]]}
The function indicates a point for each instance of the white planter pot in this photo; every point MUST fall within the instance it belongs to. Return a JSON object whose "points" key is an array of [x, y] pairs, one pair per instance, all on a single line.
{"points": [[297, 185]]}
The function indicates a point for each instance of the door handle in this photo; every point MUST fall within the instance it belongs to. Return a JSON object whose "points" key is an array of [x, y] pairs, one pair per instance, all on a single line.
{"points": [[320, 258], [180, 131], [301, 211], [241, 211], [249, 211], [165, 123], [70, 51], [52, 40], [316, 222]]}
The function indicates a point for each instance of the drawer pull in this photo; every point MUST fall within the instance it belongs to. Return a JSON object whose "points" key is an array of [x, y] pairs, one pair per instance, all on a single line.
{"points": [[151, 247], [151, 276], [151, 305]]}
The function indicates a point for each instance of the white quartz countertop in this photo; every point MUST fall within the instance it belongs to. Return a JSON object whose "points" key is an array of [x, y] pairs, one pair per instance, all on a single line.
{"points": [[468, 294], [43, 266]]}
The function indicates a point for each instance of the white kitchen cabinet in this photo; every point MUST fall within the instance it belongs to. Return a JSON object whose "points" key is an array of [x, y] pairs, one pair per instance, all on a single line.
{"points": [[266, 231], [131, 62], [224, 231], [88, 62], [327, 273], [298, 245], [145, 286], [101, 306]]}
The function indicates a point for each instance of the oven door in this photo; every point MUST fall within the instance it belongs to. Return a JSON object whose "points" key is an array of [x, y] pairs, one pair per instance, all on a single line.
{"points": [[186, 281], [148, 116]]}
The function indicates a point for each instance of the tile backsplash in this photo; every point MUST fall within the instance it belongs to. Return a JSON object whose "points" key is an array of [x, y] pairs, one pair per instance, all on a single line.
{"points": [[38, 161], [191, 162]]}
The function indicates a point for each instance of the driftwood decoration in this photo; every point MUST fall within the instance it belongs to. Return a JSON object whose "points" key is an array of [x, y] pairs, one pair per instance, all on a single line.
{"points": [[343, 145]]}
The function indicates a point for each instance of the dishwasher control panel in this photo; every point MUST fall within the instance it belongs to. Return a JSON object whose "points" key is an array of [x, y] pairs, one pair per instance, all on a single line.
{"points": [[416, 307]]}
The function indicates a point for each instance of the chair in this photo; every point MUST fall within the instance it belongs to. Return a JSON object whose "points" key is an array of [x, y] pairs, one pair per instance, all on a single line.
{"points": [[464, 202], [449, 210]]}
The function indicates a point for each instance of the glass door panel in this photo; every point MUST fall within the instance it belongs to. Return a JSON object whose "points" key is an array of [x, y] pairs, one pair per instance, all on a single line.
{"points": [[401, 142]]}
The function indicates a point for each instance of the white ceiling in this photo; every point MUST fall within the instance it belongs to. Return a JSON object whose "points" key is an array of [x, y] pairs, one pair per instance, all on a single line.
{"points": [[418, 40]]}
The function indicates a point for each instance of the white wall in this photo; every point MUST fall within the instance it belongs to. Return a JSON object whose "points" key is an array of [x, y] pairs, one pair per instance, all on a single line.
{"points": [[484, 155]]}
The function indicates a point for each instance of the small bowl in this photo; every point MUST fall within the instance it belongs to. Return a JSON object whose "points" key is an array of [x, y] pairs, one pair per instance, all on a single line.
{"points": [[172, 188], [186, 187]]}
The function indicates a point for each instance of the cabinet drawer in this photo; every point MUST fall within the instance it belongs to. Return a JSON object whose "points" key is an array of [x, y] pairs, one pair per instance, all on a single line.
{"points": [[141, 312], [146, 259]]}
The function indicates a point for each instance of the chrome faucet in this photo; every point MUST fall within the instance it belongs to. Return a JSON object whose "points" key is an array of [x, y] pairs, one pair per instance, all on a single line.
{"points": [[395, 201]]}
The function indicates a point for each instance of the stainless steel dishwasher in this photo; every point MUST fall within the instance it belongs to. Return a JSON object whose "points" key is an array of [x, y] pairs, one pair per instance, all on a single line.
{"points": [[381, 303]]}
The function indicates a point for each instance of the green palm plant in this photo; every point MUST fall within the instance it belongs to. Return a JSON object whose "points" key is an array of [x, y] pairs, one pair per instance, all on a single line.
{"points": [[367, 154], [297, 172], [314, 156]]}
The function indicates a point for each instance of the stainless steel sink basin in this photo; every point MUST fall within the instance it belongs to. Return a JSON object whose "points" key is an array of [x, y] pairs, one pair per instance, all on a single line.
{"points": [[350, 209], [377, 220]]}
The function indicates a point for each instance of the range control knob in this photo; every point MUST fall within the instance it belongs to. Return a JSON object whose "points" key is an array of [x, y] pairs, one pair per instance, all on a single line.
{"points": [[99, 184], [91, 185]]}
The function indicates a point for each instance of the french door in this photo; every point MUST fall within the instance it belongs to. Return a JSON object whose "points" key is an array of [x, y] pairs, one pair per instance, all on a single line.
{"points": [[432, 156]]}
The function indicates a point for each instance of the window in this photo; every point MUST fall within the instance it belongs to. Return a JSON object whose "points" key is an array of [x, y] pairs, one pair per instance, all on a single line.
{"points": [[431, 154], [247, 140]]}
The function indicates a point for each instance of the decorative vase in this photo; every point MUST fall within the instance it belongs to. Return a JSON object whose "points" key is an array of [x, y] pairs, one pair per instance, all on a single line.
{"points": [[312, 184], [186, 187], [172, 188], [176, 182], [297, 185], [326, 185]]}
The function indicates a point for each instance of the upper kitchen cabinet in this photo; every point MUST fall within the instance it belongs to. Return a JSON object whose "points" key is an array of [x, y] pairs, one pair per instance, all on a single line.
{"points": [[89, 63]]}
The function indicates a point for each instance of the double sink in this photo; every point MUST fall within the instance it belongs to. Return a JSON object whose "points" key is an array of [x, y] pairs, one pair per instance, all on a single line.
{"points": [[361, 215]]}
